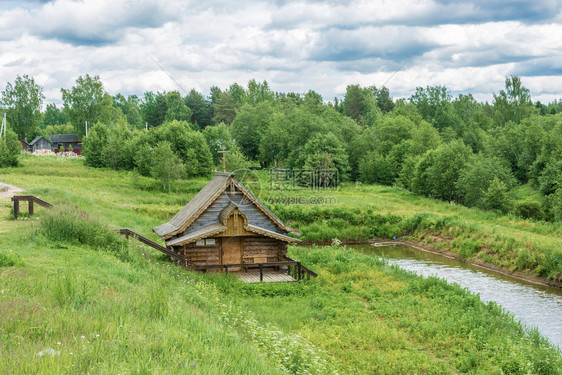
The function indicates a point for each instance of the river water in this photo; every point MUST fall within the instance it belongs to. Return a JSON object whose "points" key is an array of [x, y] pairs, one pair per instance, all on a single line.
{"points": [[534, 305]]}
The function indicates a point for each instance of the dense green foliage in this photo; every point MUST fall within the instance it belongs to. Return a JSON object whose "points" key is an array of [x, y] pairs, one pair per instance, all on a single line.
{"points": [[444, 147], [10, 150], [168, 152]]}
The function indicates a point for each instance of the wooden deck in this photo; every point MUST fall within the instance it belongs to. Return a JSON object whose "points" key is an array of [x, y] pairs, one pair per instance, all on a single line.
{"points": [[269, 276]]}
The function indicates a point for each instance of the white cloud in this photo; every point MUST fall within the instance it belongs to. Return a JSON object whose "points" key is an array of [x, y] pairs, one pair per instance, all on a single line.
{"points": [[294, 45]]}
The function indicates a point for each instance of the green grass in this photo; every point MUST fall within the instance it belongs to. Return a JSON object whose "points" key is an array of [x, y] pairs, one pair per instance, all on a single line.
{"points": [[75, 298]]}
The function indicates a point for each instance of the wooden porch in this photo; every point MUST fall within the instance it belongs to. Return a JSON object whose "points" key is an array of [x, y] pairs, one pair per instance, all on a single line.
{"points": [[268, 276], [288, 270]]}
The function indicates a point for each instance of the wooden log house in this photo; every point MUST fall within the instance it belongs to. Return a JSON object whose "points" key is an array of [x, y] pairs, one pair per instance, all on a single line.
{"points": [[226, 224]]}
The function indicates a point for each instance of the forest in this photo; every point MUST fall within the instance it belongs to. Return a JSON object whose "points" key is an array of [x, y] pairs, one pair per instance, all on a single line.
{"points": [[504, 156]]}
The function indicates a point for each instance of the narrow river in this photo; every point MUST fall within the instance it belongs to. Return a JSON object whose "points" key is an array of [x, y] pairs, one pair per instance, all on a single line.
{"points": [[531, 304]]}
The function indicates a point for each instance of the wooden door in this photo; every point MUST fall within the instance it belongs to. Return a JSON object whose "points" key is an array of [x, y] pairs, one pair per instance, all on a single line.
{"points": [[231, 251]]}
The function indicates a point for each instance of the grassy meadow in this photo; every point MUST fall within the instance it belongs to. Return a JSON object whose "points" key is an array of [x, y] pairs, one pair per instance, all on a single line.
{"points": [[76, 298]]}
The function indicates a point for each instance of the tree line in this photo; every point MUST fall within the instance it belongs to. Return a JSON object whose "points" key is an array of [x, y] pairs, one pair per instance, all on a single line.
{"points": [[503, 156]]}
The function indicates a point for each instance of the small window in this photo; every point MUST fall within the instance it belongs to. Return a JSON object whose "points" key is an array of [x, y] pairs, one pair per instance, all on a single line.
{"points": [[210, 241], [200, 243]]}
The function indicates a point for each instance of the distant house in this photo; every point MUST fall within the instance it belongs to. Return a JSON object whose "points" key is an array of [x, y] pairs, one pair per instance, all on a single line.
{"points": [[40, 143], [65, 141], [24, 144], [225, 224]]}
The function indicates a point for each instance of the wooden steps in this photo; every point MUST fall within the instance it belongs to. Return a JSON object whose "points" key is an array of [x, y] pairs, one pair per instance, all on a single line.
{"points": [[31, 199]]}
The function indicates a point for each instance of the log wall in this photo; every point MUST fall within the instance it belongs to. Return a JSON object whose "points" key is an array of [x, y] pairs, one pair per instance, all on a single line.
{"points": [[208, 254], [263, 247], [254, 249]]}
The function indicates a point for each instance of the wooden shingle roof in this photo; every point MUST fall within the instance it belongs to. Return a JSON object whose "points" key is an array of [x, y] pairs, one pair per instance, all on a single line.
{"points": [[36, 139], [195, 207], [204, 232], [64, 138], [202, 200]]}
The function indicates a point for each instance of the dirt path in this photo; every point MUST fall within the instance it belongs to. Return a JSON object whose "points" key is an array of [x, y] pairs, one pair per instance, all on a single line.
{"points": [[7, 191]]}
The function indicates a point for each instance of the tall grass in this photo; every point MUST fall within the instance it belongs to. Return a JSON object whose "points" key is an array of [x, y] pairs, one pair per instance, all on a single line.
{"points": [[68, 224], [9, 259], [75, 309]]}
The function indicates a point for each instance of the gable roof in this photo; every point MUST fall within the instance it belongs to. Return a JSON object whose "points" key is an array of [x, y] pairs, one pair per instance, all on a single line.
{"points": [[64, 138], [37, 140], [202, 200]]}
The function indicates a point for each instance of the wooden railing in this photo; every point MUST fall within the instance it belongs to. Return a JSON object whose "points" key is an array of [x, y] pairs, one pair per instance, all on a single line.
{"points": [[307, 271], [183, 261], [31, 199], [294, 268]]}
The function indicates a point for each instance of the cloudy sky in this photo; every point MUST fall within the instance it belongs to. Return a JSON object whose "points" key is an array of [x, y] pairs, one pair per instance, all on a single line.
{"points": [[468, 46]]}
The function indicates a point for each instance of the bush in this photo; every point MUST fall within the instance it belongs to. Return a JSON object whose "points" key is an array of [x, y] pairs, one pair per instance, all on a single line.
{"points": [[438, 170], [469, 248], [553, 205], [375, 168], [94, 145], [528, 209], [496, 197], [10, 150], [478, 175]]}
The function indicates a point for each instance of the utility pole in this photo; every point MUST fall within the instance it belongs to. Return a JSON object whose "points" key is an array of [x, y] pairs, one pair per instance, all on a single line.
{"points": [[3, 127], [146, 125], [86, 128], [223, 152]]}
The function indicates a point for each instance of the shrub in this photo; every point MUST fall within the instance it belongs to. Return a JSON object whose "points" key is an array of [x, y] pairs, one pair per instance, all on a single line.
{"points": [[551, 205], [94, 146], [10, 150], [375, 168], [526, 260], [496, 197], [528, 209]]}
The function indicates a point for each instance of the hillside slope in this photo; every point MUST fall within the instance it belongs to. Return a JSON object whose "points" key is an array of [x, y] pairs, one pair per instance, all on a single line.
{"points": [[75, 298]]}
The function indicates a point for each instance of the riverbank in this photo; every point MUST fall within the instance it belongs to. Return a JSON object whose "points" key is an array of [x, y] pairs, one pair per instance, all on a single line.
{"points": [[524, 248], [418, 246], [477, 262], [534, 305], [514, 246]]}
